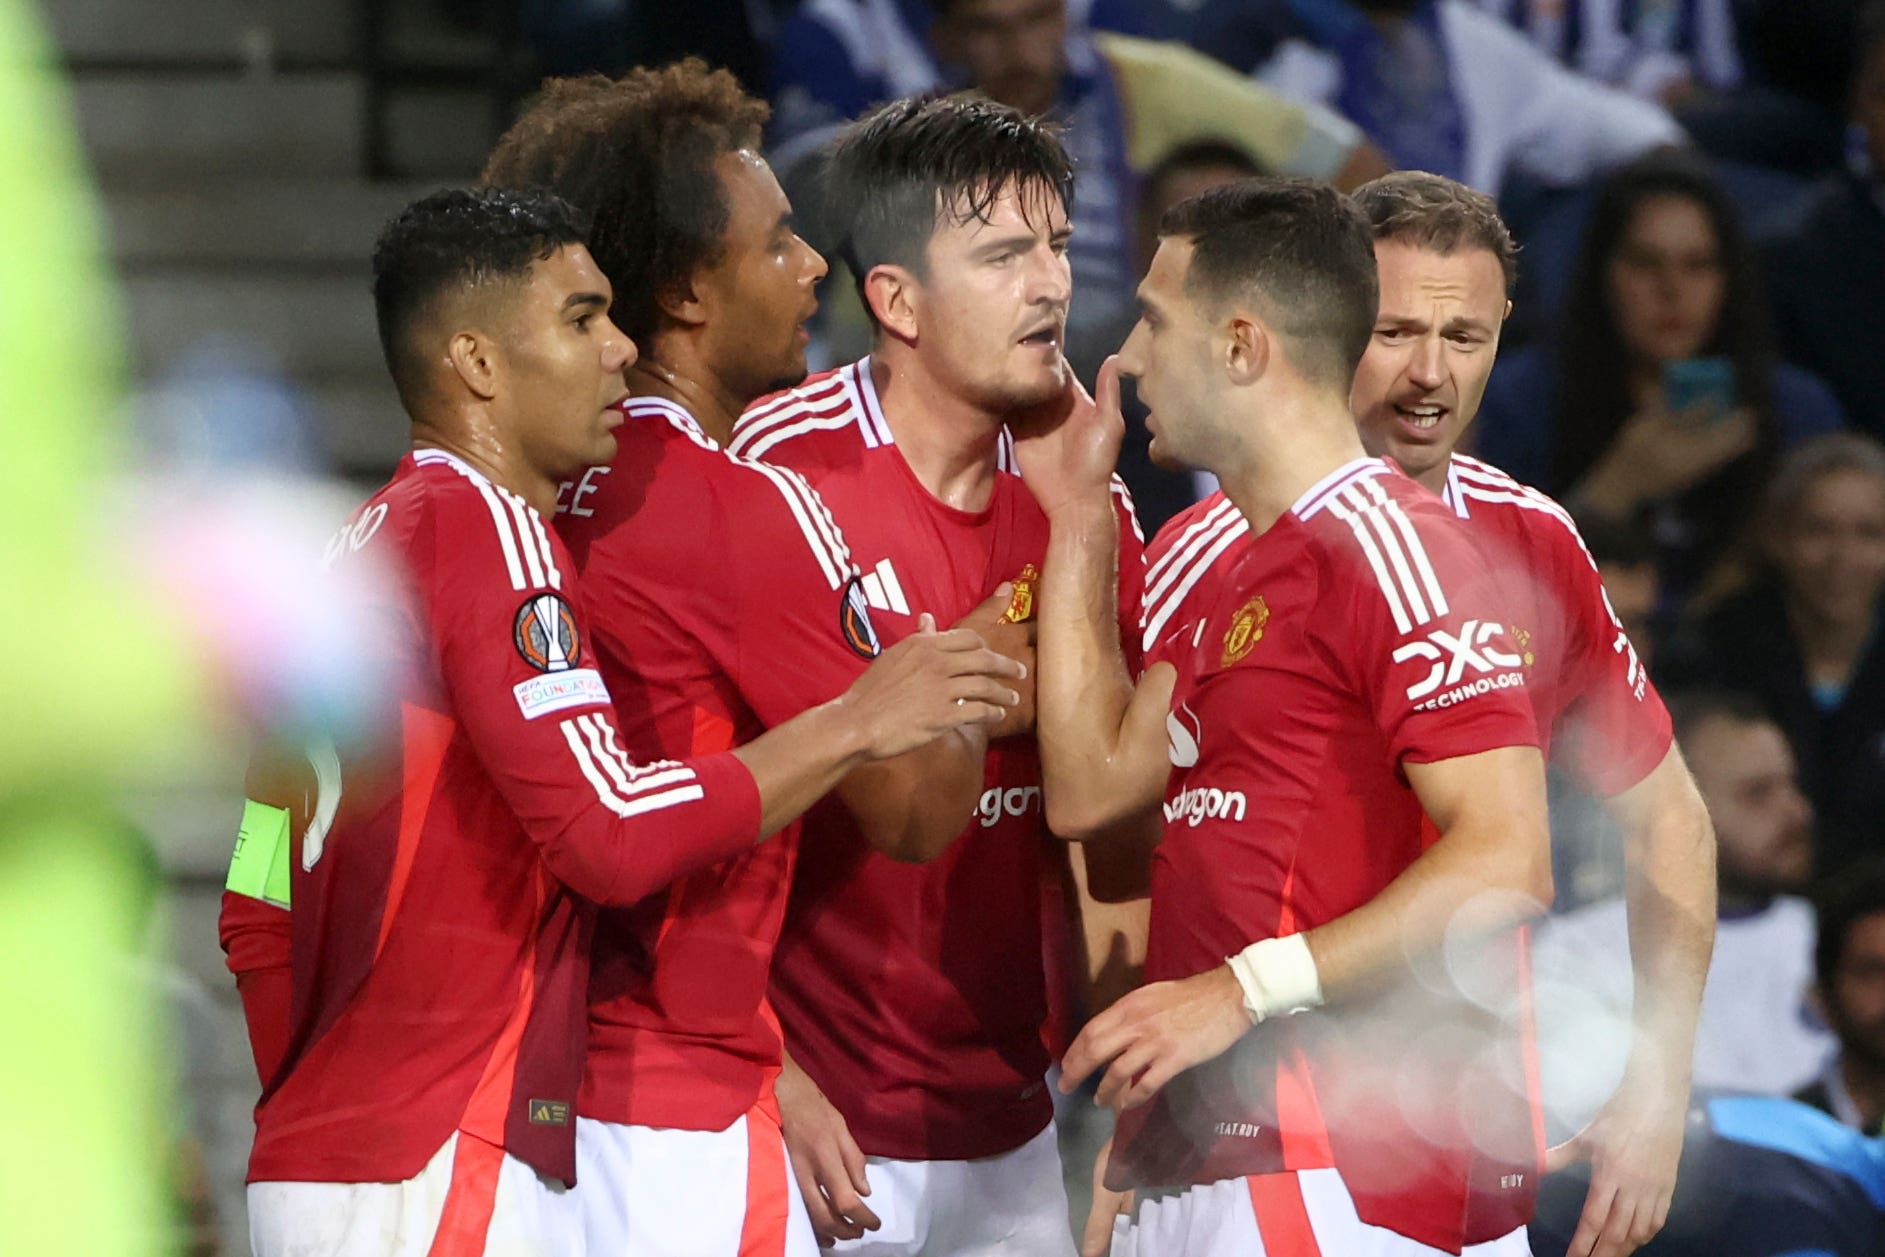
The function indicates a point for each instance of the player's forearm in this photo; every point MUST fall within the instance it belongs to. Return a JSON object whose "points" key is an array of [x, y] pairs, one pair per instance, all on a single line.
{"points": [[1082, 689], [1669, 853], [1490, 870], [797, 763], [913, 807]]}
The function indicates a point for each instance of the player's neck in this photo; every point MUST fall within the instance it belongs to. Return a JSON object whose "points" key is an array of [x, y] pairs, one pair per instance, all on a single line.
{"points": [[687, 382], [1296, 443], [951, 445], [1433, 479], [477, 443]]}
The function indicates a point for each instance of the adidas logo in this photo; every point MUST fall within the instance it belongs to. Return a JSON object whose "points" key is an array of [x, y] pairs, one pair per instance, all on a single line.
{"points": [[882, 590]]}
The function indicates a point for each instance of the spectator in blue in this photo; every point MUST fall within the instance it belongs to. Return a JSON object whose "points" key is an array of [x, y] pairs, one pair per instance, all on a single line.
{"points": [[1760, 1177], [1826, 269], [1126, 103], [1806, 638], [1440, 85], [1657, 49], [1666, 280]]}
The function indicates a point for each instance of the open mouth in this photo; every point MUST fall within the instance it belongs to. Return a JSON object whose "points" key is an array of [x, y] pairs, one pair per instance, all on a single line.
{"points": [[1044, 337], [1424, 417]]}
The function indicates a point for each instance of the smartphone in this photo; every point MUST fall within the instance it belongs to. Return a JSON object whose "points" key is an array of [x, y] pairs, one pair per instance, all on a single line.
{"points": [[1707, 384]]}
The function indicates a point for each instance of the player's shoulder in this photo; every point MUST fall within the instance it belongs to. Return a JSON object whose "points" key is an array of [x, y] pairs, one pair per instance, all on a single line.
{"points": [[1481, 492], [465, 526], [830, 412], [1369, 520]]}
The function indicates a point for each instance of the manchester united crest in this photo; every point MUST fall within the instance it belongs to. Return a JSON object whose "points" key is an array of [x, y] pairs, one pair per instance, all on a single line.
{"points": [[1246, 630], [1522, 638], [1021, 603]]}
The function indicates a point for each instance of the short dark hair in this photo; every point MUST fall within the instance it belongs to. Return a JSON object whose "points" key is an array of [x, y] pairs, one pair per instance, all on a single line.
{"points": [[457, 240], [900, 172], [1303, 249], [1857, 893], [1689, 710], [1439, 214], [637, 155]]}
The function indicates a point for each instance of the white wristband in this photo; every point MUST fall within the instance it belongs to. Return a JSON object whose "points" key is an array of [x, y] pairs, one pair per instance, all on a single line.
{"points": [[1278, 976]]}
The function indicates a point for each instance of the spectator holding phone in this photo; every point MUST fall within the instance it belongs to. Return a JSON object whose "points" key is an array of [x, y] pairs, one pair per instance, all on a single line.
{"points": [[1806, 637], [1661, 401]]}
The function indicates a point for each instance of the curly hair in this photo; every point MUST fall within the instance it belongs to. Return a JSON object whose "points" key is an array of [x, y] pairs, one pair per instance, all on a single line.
{"points": [[636, 154]]}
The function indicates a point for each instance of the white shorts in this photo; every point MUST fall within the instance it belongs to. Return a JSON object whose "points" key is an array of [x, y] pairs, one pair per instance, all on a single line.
{"points": [[1306, 1214], [472, 1199], [1013, 1204], [647, 1192]]}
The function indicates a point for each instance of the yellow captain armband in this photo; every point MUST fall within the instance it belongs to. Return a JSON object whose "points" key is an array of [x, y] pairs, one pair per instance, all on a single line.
{"points": [[259, 867]]}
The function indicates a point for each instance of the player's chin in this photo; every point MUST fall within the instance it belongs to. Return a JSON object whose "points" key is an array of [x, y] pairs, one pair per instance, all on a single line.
{"points": [[601, 450]]}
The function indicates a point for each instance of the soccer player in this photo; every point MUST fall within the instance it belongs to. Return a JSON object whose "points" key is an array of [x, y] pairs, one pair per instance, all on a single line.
{"points": [[441, 911], [724, 600], [913, 997], [1357, 817], [1445, 263]]}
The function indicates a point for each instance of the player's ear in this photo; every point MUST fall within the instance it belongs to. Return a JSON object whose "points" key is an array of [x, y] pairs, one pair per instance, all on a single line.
{"points": [[474, 361], [1246, 349], [684, 304], [894, 297]]}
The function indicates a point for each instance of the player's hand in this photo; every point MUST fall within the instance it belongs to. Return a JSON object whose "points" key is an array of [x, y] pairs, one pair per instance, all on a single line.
{"points": [[1014, 639], [928, 684], [1156, 1033], [1067, 452], [1108, 1205], [1633, 1146], [826, 1160]]}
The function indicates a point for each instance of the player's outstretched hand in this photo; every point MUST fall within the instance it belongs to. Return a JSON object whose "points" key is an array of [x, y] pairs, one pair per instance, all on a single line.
{"points": [[1097, 1239], [1156, 1033], [1067, 453], [1007, 629], [1633, 1146], [928, 684], [826, 1160]]}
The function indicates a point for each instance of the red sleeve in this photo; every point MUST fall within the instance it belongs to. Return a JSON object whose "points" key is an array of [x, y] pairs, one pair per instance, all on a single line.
{"points": [[1131, 579], [1617, 730], [515, 661], [1419, 622], [796, 629], [257, 937]]}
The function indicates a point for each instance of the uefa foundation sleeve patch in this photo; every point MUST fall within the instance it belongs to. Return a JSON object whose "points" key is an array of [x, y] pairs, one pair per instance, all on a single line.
{"points": [[259, 867]]}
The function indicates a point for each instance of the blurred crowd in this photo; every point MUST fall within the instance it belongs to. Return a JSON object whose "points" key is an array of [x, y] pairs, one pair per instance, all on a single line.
{"points": [[1692, 364]]}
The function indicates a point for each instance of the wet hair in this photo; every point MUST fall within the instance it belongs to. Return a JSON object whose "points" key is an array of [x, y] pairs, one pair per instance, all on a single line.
{"points": [[1857, 893], [457, 242], [1300, 248], [919, 163], [1593, 368], [1438, 214], [637, 155]]}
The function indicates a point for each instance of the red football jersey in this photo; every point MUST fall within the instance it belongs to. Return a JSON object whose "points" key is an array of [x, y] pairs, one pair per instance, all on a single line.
{"points": [[1362, 631], [722, 601], [915, 994], [1591, 696], [440, 951], [1593, 699]]}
